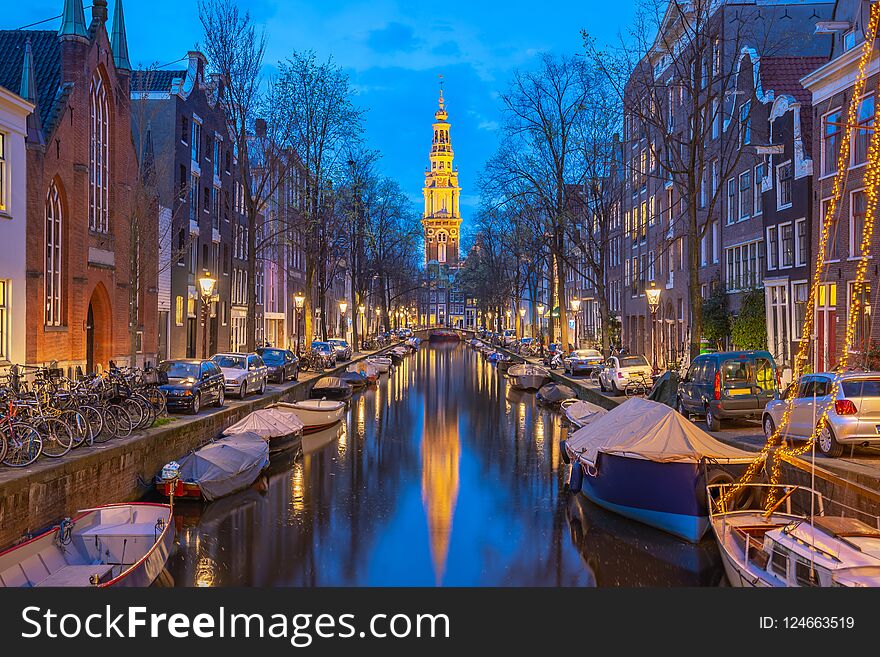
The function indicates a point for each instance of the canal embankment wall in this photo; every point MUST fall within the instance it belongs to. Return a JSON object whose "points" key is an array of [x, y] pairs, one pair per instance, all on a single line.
{"points": [[120, 470]]}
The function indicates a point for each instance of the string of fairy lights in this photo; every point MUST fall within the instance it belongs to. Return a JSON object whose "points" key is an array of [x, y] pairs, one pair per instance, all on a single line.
{"points": [[773, 447]]}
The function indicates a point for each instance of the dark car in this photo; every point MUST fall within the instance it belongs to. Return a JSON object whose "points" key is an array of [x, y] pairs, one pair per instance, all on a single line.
{"points": [[325, 354], [282, 363], [343, 349], [192, 383], [728, 384]]}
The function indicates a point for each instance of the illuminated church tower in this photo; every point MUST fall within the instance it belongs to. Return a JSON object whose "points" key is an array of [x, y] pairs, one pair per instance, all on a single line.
{"points": [[442, 219]]}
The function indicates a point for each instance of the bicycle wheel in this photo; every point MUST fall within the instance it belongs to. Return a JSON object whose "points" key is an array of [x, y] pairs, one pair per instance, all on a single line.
{"points": [[594, 378], [96, 422], [135, 412], [156, 398], [123, 421], [57, 436], [3, 444], [109, 425], [24, 444], [149, 412], [79, 426]]}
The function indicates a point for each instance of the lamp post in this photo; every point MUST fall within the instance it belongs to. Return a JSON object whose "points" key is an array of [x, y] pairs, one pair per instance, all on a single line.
{"points": [[653, 296], [343, 306], [575, 308], [522, 325], [541, 328], [507, 313], [299, 301], [378, 319], [362, 309], [207, 284]]}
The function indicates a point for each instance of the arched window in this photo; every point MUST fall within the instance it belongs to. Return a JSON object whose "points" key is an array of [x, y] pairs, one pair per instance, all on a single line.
{"points": [[441, 246], [53, 279], [99, 156]]}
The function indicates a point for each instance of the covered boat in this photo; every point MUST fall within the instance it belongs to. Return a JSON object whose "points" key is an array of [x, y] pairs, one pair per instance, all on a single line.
{"points": [[354, 379], [112, 545], [331, 387], [527, 376], [278, 429], [579, 412], [369, 371], [647, 462], [315, 414], [224, 466], [444, 336], [555, 393], [381, 363]]}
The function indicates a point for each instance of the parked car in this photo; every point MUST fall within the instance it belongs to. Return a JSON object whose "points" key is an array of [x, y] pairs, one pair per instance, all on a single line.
{"points": [[343, 349], [728, 384], [325, 354], [582, 360], [620, 370], [853, 418], [192, 383], [243, 373], [283, 365]]}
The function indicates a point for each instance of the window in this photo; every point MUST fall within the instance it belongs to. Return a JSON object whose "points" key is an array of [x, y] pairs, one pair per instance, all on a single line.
{"points": [[716, 120], [786, 239], [53, 279], [830, 142], [714, 178], [860, 306], [832, 247], [194, 198], [184, 130], [799, 293], [716, 57], [196, 142], [777, 322], [745, 194], [4, 176], [857, 210], [759, 177], [783, 185], [99, 156], [215, 158], [731, 201], [864, 128], [745, 266], [800, 242], [745, 123], [715, 242], [4, 320], [178, 311], [772, 247]]}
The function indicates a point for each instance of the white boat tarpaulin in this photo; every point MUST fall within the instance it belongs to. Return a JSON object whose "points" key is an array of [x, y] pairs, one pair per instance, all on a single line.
{"points": [[644, 429], [583, 411], [226, 465], [268, 423]]}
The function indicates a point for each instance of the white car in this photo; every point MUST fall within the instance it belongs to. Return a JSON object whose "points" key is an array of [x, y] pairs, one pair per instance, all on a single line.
{"points": [[242, 373], [620, 370]]}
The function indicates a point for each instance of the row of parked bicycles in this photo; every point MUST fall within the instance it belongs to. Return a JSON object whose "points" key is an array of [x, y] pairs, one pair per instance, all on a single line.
{"points": [[45, 413]]}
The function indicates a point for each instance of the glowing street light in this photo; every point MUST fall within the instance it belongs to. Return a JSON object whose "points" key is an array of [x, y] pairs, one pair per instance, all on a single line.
{"points": [[652, 294], [299, 300], [207, 285]]}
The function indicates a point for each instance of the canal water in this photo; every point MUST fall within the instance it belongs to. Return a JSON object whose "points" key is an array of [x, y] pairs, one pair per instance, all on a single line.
{"points": [[440, 475]]}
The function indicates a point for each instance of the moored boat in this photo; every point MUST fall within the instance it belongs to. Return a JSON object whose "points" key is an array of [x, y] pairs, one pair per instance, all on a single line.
{"points": [[444, 336], [221, 467], [112, 545], [527, 376], [315, 414], [381, 363], [552, 394], [579, 412], [355, 379], [331, 387], [647, 462], [279, 430], [368, 370]]}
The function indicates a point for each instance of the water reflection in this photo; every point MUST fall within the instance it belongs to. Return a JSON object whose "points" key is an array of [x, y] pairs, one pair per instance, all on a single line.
{"points": [[440, 475]]}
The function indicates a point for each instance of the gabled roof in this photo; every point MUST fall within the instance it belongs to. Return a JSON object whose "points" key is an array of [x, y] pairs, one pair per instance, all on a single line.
{"points": [[783, 75], [47, 68], [154, 80]]}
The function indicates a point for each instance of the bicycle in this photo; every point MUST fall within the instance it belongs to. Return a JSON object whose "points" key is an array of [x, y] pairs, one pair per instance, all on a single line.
{"points": [[637, 386], [20, 443]]}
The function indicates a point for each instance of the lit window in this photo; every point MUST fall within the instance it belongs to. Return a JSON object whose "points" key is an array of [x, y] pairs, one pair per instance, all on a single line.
{"points": [[4, 320], [4, 203], [858, 209], [53, 278], [862, 133], [99, 156]]}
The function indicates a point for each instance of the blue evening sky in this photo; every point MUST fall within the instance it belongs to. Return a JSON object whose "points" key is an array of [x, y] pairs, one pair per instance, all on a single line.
{"points": [[393, 51]]}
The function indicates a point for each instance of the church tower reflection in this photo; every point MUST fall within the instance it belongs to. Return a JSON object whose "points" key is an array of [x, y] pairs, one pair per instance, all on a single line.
{"points": [[441, 453]]}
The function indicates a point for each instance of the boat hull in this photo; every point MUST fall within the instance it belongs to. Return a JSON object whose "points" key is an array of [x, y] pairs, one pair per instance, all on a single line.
{"points": [[315, 418], [661, 495], [528, 381]]}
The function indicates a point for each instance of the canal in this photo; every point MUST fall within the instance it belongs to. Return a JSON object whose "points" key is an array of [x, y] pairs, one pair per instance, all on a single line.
{"points": [[440, 475]]}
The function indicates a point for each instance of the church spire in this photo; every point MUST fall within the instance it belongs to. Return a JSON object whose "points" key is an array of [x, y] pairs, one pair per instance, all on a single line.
{"points": [[118, 40], [73, 20], [28, 91]]}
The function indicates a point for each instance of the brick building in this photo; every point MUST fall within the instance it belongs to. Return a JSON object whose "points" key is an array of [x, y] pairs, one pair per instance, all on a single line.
{"points": [[198, 187], [81, 168]]}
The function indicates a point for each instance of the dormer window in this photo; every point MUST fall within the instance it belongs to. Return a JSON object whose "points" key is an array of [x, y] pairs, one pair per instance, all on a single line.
{"points": [[849, 40]]}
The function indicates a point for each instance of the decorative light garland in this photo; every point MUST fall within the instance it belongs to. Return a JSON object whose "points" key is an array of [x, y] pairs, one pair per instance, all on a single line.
{"points": [[774, 440]]}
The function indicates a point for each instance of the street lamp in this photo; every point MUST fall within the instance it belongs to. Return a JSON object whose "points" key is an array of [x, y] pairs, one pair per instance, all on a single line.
{"points": [[207, 284], [522, 322], [541, 328], [575, 308], [507, 313], [343, 306], [653, 296], [362, 309], [299, 301]]}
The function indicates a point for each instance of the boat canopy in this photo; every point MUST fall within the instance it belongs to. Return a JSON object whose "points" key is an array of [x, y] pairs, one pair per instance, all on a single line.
{"points": [[267, 423], [583, 411], [219, 467], [644, 429]]}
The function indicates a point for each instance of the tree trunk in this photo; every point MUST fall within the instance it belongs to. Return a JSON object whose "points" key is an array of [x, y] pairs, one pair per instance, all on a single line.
{"points": [[251, 325], [560, 300]]}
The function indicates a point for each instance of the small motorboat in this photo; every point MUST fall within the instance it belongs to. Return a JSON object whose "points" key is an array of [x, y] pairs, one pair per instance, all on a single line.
{"points": [[579, 412], [553, 394], [331, 387], [355, 379], [315, 414], [414, 342], [279, 430], [649, 463], [781, 547], [112, 545], [527, 376], [368, 370], [381, 363], [396, 356], [444, 336], [221, 467], [495, 356]]}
